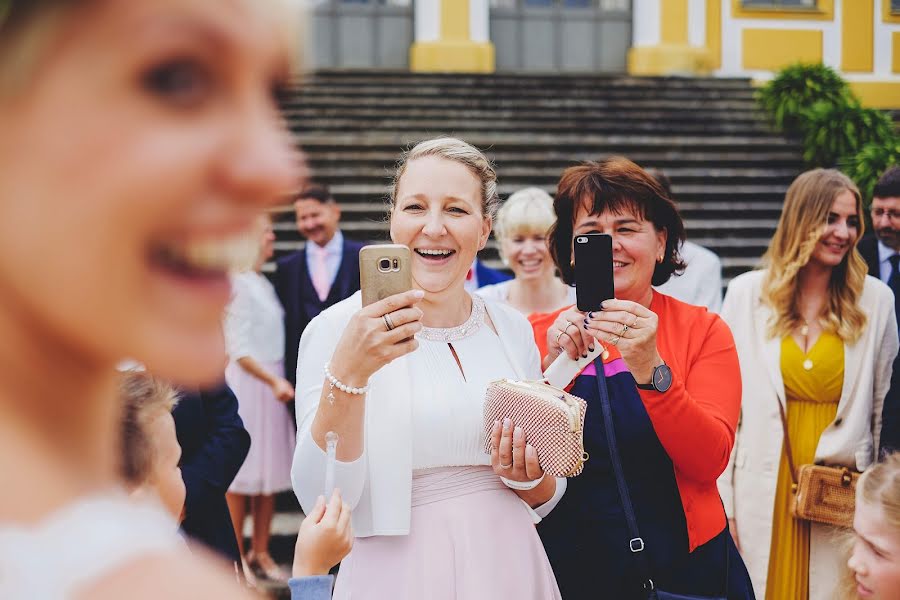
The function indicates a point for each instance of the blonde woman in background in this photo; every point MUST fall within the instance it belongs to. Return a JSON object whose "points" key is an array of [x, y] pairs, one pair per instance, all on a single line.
{"points": [[139, 140], [522, 226], [874, 563], [254, 339], [817, 335]]}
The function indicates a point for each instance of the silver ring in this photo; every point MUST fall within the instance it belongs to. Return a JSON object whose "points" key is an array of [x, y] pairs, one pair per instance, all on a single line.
{"points": [[615, 342], [624, 329], [509, 466], [559, 335], [633, 323], [571, 324], [387, 321]]}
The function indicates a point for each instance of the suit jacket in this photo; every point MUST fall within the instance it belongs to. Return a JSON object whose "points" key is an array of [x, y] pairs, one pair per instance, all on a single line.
{"points": [[749, 482], [868, 247], [489, 276], [214, 445], [293, 284]]}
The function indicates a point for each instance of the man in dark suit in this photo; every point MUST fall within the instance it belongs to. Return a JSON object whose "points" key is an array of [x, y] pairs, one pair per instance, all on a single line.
{"points": [[214, 445], [323, 273], [882, 254]]}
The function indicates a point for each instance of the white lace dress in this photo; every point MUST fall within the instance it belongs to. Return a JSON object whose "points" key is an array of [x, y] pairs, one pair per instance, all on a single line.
{"points": [[79, 544]]}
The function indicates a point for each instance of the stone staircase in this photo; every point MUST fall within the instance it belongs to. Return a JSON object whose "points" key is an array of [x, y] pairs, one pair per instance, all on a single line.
{"points": [[729, 170]]}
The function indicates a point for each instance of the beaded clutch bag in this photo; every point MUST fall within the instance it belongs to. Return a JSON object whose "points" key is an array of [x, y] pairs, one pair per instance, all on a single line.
{"points": [[553, 421]]}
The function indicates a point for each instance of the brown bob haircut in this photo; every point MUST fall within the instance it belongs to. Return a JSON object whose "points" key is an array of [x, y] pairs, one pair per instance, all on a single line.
{"points": [[615, 184]]}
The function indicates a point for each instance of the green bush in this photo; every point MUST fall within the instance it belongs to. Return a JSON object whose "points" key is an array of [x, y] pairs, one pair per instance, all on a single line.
{"points": [[796, 88], [867, 165], [835, 131]]}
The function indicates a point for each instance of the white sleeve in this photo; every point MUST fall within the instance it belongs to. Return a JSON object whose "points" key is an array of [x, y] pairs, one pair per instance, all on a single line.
{"points": [[712, 284], [885, 353], [317, 344], [237, 320], [731, 309], [544, 509]]}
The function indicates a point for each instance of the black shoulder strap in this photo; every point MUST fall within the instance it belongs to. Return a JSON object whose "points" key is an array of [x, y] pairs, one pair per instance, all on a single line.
{"points": [[636, 543]]}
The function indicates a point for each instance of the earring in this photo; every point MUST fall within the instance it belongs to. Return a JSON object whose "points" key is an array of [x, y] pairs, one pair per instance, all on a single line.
{"points": [[659, 259]]}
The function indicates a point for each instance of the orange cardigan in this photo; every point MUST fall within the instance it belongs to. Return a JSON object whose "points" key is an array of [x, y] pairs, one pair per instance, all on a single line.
{"points": [[696, 419]]}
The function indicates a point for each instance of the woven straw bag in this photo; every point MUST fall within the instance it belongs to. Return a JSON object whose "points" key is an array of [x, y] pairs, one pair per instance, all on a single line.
{"points": [[825, 495], [552, 419], [821, 494]]}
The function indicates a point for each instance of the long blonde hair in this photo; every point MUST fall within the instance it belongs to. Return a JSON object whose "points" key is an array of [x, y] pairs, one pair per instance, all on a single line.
{"points": [[803, 221], [879, 486]]}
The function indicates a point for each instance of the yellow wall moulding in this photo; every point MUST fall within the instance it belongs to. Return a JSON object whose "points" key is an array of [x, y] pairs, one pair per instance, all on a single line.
{"points": [[895, 52], [452, 57], [772, 49], [673, 18], [823, 11], [878, 94], [455, 20], [669, 59], [887, 15], [714, 32], [858, 36]]}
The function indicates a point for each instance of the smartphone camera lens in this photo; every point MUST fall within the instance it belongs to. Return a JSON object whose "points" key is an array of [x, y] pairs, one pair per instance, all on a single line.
{"points": [[384, 265], [581, 240]]}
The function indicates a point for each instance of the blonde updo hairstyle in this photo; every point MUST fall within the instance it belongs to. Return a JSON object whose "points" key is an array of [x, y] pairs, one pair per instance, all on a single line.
{"points": [[458, 151], [528, 211]]}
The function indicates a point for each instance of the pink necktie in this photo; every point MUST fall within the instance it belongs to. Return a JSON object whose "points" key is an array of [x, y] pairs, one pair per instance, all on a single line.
{"points": [[320, 276]]}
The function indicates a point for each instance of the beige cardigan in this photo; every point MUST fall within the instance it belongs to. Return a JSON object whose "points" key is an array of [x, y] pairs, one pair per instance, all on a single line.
{"points": [[748, 484]]}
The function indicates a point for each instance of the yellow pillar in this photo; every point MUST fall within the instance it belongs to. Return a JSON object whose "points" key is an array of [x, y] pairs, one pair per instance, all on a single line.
{"points": [[452, 36], [661, 44], [857, 36]]}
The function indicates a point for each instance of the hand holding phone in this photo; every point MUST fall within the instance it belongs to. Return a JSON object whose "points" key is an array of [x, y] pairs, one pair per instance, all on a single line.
{"points": [[384, 270]]}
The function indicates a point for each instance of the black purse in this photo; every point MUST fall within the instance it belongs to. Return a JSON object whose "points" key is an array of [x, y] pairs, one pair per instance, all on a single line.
{"points": [[636, 543]]}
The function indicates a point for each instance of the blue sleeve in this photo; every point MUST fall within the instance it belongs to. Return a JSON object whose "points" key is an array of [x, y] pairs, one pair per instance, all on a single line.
{"points": [[311, 588]]}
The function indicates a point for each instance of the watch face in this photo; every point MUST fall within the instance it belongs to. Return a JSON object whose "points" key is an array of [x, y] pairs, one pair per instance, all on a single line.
{"points": [[662, 378]]}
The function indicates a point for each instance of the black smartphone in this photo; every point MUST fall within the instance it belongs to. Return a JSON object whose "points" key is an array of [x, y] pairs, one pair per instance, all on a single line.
{"points": [[593, 270]]}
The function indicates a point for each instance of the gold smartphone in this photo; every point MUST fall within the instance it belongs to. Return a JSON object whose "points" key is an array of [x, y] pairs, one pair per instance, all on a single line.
{"points": [[384, 270]]}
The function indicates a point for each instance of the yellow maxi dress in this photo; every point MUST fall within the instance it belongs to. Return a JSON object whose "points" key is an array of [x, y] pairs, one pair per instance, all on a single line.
{"points": [[812, 400]]}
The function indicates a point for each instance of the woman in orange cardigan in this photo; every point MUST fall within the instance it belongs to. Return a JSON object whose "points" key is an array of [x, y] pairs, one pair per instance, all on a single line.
{"points": [[675, 389]]}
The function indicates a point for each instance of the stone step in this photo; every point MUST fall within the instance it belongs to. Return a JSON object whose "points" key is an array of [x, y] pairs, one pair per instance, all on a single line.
{"points": [[365, 112], [360, 157], [566, 143], [559, 81], [570, 126], [442, 92], [335, 173], [630, 104]]}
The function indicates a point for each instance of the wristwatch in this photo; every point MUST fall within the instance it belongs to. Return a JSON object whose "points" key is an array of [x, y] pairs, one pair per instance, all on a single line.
{"points": [[661, 380]]}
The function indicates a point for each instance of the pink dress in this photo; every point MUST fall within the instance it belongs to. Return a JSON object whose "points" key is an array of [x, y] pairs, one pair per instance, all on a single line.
{"points": [[254, 327]]}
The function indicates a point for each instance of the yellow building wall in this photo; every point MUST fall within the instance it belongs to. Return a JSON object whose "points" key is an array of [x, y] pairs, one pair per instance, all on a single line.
{"points": [[857, 24], [772, 49]]}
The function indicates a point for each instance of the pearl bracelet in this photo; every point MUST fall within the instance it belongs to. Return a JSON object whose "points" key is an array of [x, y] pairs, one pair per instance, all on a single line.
{"points": [[522, 486], [335, 383]]}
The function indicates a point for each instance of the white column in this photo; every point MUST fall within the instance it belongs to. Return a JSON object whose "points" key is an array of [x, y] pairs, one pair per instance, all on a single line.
{"points": [[427, 20], [645, 23]]}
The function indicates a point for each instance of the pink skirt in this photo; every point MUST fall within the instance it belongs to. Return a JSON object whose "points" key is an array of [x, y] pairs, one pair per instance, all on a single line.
{"points": [[267, 468], [470, 538]]}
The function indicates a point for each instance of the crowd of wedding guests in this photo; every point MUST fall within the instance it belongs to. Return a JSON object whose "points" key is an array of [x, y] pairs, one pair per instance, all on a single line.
{"points": [[137, 483]]}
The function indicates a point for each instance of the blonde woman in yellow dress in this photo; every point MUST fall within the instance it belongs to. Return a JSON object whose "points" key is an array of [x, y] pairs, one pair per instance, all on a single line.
{"points": [[817, 335]]}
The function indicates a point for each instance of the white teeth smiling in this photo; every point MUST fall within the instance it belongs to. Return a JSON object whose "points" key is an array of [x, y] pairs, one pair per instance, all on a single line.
{"points": [[210, 255], [618, 264], [434, 252]]}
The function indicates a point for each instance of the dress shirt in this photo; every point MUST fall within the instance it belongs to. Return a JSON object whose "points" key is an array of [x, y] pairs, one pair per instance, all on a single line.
{"points": [[884, 261], [701, 282], [334, 252]]}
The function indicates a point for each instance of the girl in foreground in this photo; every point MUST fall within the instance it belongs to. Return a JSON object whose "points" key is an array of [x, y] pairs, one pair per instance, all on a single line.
{"points": [[139, 139]]}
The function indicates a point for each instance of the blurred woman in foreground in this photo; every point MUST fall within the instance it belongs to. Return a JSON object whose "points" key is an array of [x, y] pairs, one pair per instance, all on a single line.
{"points": [[139, 139]]}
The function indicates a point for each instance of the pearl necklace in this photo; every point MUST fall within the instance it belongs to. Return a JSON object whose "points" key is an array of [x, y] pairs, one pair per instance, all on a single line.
{"points": [[460, 332]]}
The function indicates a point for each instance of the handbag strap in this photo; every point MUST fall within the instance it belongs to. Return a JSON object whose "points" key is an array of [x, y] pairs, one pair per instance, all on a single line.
{"points": [[636, 543], [787, 442]]}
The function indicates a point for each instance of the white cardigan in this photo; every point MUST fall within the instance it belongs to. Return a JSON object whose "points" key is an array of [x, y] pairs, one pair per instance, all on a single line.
{"points": [[378, 485], [748, 484]]}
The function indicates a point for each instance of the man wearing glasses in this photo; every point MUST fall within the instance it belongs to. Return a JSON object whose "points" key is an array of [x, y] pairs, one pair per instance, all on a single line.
{"points": [[882, 253]]}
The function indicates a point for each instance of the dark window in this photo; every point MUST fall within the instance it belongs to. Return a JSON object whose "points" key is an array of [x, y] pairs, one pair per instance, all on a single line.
{"points": [[895, 6]]}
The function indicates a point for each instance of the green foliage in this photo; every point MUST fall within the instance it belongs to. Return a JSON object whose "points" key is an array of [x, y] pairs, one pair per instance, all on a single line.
{"points": [[835, 131], [867, 165], [796, 89]]}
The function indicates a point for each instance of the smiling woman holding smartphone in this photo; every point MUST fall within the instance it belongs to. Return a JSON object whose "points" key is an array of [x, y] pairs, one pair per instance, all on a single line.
{"points": [[403, 386], [673, 385]]}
